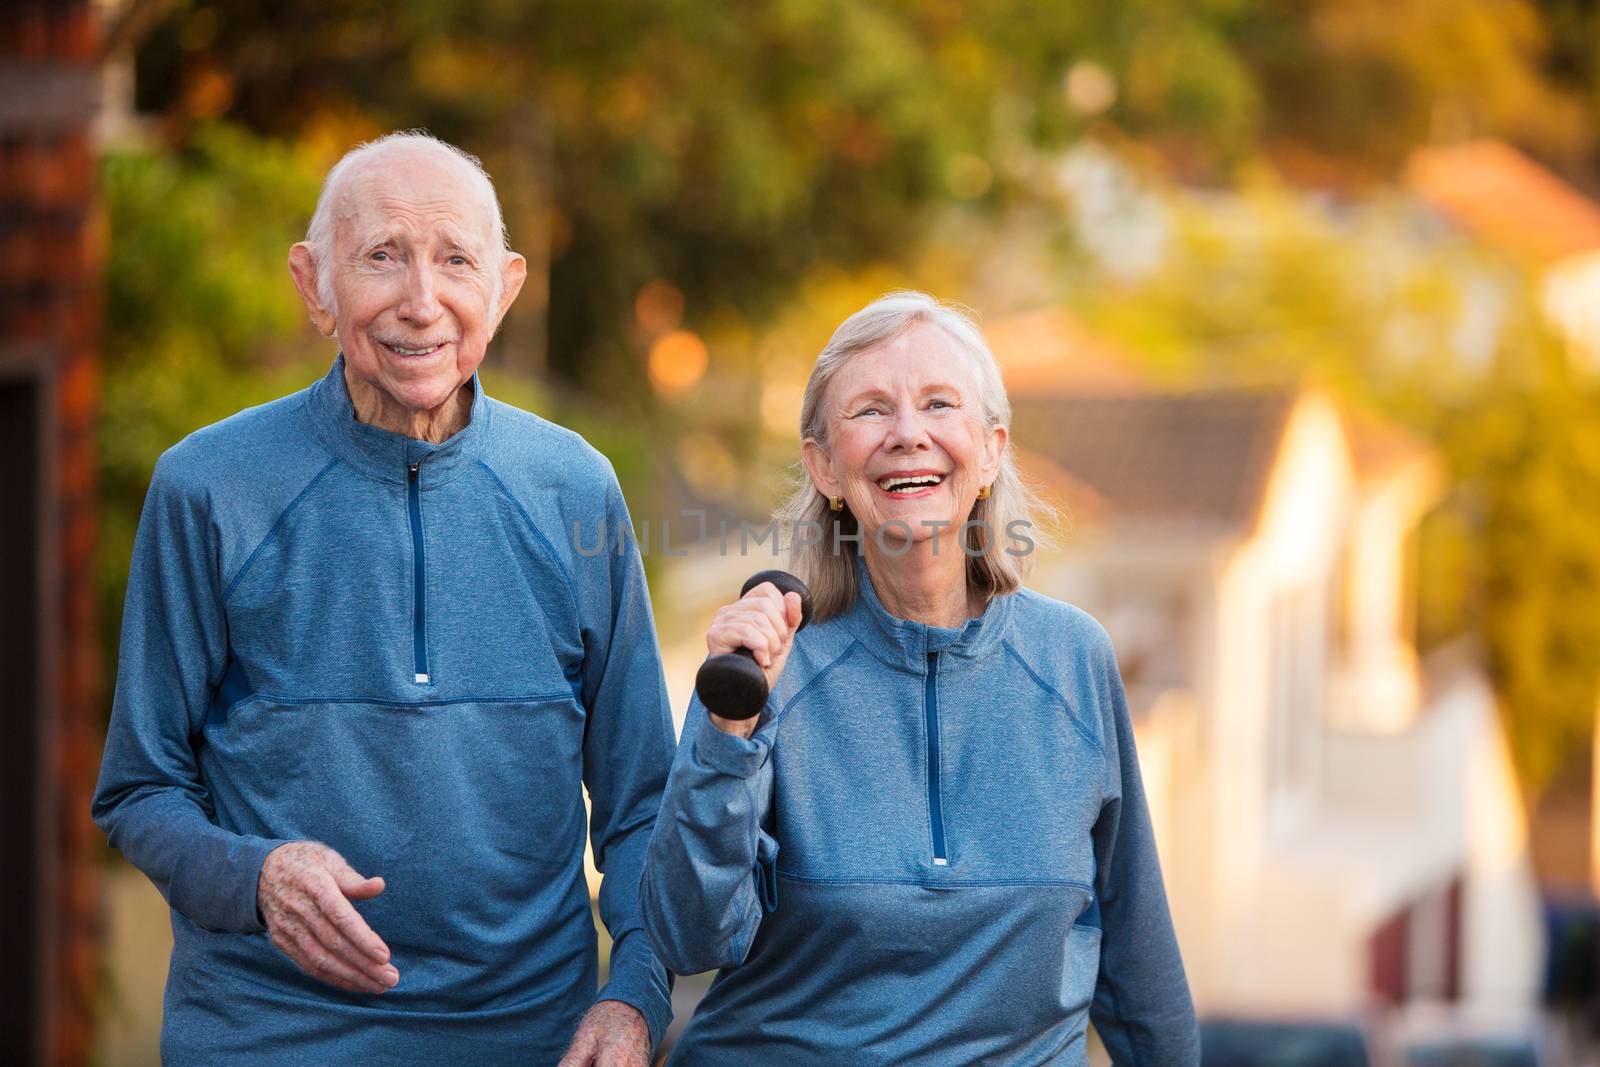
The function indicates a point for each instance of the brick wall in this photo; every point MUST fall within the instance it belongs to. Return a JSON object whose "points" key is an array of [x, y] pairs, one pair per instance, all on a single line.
{"points": [[49, 316]]}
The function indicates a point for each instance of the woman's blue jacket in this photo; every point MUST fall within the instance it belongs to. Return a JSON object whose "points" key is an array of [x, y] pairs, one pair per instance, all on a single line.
{"points": [[934, 849]]}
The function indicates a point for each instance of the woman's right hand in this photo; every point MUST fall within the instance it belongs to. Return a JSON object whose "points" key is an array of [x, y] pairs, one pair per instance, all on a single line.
{"points": [[763, 621]]}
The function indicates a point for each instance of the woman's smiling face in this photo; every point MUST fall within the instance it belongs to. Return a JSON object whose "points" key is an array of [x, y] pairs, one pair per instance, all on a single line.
{"points": [[907, 439]]}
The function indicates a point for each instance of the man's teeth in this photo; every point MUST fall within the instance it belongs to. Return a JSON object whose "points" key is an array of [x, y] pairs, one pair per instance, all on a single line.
{"points": [[416, 351], [893, 484]]}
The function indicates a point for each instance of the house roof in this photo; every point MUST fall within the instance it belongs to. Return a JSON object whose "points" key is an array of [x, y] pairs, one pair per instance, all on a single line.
{"points": [[1200, 457], [1503, 198], [1073, 498], [1109, 446]]}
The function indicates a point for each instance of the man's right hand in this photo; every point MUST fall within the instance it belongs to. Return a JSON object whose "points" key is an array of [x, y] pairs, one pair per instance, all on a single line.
{"points": [[304, 894]]}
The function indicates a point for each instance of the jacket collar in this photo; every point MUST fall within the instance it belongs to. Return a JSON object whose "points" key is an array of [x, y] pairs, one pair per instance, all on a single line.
{"points": [[386, 455], [906, 644]]}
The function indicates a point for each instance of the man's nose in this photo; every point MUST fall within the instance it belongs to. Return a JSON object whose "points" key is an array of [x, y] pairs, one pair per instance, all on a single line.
{"points": [[421, 303]]}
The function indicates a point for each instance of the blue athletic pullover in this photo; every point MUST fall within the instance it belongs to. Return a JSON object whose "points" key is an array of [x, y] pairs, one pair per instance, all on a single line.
{"points": [[935, 849], [401, 649]]}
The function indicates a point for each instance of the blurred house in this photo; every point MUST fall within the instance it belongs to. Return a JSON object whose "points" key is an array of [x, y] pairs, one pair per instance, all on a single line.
{"points": [[1338, 820], [1500, 198]]}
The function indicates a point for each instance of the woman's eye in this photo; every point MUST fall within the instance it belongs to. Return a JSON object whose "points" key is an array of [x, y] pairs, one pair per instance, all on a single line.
{"points": [[937, 404], [380, 256], [869, 411], [458, 261]]}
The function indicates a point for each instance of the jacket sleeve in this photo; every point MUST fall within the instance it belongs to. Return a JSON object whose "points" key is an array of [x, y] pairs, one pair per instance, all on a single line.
{"points": [[627, 751], [1142, 1008], [710, 874], [150, 800]]}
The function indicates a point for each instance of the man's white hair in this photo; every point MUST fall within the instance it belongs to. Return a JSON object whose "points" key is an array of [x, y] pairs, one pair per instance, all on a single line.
{"points": [[320, 233]]}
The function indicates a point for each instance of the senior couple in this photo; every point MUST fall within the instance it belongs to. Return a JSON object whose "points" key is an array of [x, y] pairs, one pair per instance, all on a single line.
{"points": [[366, 675]]}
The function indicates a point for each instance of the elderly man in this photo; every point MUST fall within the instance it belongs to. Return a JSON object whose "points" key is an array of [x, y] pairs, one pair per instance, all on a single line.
{"points": [[366, 671]]}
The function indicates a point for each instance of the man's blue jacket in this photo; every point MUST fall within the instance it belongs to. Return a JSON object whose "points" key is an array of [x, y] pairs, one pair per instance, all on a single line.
{"points": [[935, 849], [418, 654]]}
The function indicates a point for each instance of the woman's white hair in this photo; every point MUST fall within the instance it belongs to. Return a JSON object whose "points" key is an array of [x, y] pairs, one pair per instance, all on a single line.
{"points": [[320, 233], [827, 564]]}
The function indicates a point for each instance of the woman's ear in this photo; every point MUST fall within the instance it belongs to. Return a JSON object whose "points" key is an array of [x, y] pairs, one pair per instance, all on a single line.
{"points": [[993, 449], [819, 466]]}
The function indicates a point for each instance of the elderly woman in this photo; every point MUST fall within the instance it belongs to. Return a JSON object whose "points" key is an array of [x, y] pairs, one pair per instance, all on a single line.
{"points": [[933, 845]]}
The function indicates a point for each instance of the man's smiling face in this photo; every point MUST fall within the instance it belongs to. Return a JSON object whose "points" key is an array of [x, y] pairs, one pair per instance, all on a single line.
{"points": [[418, 276]]}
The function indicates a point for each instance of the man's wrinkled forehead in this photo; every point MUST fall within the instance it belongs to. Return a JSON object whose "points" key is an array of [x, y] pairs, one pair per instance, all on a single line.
{"points": [[411, 195]]}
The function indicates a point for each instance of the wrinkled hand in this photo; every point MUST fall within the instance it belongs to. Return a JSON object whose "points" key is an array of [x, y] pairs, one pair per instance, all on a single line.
{"points": [[764, 621], [304, 894], [612, 1034]]}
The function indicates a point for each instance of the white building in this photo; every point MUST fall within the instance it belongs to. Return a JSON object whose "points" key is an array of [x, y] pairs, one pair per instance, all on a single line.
{"points": [[1339, 824]]}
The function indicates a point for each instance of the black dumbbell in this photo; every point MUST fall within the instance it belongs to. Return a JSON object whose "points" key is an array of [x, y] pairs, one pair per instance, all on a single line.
{"points": [[733, 685]]}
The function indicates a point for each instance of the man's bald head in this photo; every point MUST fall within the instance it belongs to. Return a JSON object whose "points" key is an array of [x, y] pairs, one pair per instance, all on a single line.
{"points": [[376, 161], [406, 263]]}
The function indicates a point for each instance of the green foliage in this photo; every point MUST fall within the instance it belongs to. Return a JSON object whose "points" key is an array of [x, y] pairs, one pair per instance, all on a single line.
{"points": [[1364, 81], [201, 318], [1263, 285], [730, 149], [1523, 526], [195, 236]]}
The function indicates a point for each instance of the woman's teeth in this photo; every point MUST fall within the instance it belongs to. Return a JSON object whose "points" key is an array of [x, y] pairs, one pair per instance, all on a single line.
{"points": [[895, 484]]}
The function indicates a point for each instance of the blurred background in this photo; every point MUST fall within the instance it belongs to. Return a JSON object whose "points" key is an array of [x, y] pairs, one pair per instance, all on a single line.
{"points": [[1298, 302]]}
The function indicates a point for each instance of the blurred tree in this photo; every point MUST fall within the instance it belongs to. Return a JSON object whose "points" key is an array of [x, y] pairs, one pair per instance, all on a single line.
{"points": [[730, 149], [1264, 285], [1572, 62], [200, 317], [725, 149], [1362, 82], [1524, 521]]}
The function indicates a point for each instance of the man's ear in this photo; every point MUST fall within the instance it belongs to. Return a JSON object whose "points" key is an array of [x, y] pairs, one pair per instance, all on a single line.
{"points": [[512, 275], [819, 466], [303, 268]]}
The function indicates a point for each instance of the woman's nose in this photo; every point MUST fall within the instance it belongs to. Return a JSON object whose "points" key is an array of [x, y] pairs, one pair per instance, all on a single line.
{"points": [[908, 429]]}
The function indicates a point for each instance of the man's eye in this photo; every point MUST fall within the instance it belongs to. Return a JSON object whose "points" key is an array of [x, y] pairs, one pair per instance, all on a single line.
{"points": [[940, 404], [380, 256], [458, 261]]}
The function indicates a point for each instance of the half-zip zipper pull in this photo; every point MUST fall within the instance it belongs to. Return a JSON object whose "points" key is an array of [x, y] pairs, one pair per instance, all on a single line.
{"points": [[419, 583], [930, 707]]}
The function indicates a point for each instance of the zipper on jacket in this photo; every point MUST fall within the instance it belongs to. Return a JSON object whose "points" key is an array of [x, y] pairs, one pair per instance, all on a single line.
{"points": [[419, 584], [930, 707]]}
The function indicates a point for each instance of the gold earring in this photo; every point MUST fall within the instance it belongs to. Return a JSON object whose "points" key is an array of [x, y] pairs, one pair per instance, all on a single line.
{"points": [[836, 503], [983, 492]]}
